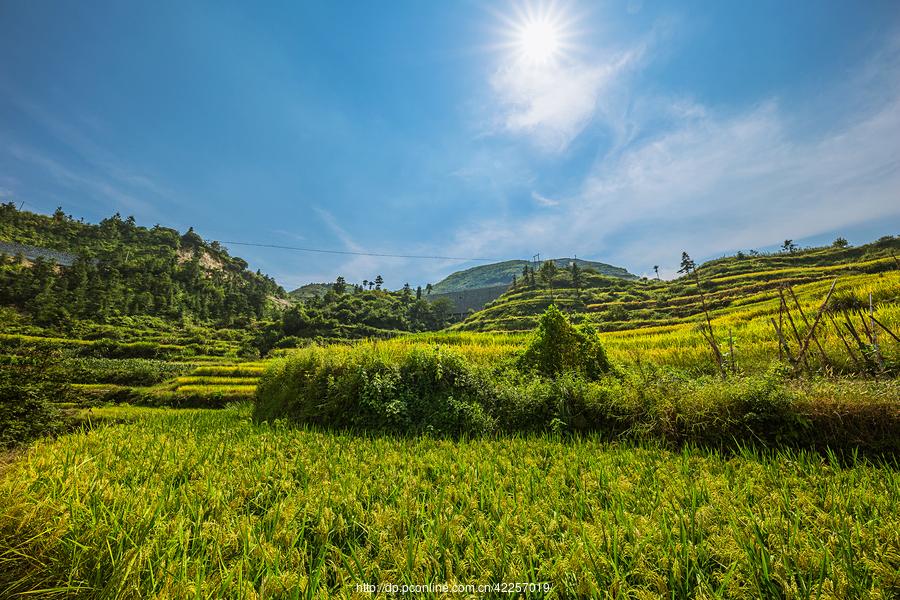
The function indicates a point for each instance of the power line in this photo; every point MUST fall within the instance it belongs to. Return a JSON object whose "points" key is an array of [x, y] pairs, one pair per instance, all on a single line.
{"points": [[382, 255]]}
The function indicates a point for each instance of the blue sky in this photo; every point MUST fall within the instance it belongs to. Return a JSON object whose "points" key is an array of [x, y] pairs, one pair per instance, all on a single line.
{"points": [[427, 127]]}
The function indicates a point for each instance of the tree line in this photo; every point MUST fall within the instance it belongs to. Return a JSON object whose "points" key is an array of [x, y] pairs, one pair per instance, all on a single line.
{"points": [[122, 268]]}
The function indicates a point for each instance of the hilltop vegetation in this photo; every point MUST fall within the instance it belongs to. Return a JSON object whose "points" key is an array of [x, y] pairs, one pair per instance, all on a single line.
{"points": [[345, 312], [126, 269], [310, 290], [611, 303], [503, 273]]}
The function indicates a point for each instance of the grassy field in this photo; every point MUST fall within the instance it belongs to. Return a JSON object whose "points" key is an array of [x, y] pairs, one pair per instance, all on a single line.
{"points": [[204, 504], [658, 478]]}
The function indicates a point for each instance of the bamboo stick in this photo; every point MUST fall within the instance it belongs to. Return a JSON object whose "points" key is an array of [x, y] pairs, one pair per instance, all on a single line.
{"points": [[816, 320]]}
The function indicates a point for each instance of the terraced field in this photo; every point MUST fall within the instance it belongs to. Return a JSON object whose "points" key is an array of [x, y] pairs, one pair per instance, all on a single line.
{"points": [[612, 304], [238, 379]]}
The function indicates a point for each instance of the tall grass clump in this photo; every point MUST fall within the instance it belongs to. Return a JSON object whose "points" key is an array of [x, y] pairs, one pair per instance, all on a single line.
{"points": [[423, 390]]}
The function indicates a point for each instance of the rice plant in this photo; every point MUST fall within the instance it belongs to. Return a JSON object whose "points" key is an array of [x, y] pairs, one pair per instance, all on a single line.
{"points": [[205, 504]]}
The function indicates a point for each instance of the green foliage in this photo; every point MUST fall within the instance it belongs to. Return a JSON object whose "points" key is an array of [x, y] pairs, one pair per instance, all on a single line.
{"points": [[124, 269], [417, 387], [616, 304], [424, 391], [344, 316], [559, 347], [27, 396]]}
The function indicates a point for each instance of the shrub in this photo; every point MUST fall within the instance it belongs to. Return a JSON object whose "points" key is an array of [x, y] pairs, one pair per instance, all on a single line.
{"points": [[559, 347], [432, 390], [439, 391], [27, 393]]}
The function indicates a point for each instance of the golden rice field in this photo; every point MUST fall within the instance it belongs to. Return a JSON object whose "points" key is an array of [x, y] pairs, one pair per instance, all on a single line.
{"points": [[748, 328], [205, 504]]}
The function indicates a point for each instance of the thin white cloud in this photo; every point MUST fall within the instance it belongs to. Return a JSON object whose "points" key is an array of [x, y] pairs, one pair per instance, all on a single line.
{"points": [[544, 200], [357, 268], [553, 103], [97, 186]]}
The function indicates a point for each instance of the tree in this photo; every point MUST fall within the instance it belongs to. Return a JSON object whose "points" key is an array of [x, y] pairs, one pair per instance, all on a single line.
{"points": [[840, 243], [576, 275], [513, 284], [419, 292], [379, 281], [547, 272], [339, 286], [687, 264], [442, 309], [365, 283], [656, 270], [789, 246], [428, 288]]}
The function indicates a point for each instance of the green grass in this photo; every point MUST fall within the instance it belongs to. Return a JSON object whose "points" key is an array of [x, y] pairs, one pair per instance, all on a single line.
{"points": [[205, 504]]}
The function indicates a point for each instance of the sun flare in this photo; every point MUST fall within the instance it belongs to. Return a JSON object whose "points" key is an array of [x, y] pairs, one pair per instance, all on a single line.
{"points": [[538, 34], [539, 40]]}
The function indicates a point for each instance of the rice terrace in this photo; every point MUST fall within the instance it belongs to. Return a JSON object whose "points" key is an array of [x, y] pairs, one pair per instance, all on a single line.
{"points": [[693, 393]]}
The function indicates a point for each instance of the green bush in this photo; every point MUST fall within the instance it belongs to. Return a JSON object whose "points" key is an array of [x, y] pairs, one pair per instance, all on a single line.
{"points": [[559, 347], [425, 391], [27, 394], [438, 391]]}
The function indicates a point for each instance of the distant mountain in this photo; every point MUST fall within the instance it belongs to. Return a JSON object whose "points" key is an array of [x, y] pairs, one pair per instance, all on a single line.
{"points": [[310, 290], [502, 273]]}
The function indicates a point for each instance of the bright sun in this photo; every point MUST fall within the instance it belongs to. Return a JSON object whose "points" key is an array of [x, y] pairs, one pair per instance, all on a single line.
{"points": [[538, 40], [538, 33]]}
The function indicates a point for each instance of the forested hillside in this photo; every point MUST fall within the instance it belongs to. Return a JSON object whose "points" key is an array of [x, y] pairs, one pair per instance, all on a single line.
{"points": [[125, 269], [504, 273], [613, 303]]}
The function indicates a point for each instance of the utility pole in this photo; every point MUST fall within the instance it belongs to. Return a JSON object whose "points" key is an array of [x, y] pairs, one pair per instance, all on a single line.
{"points": [[536, 259]]}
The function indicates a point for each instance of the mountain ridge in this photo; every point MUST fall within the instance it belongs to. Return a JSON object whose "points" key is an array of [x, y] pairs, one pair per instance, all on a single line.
{"points": [[502, 273]]}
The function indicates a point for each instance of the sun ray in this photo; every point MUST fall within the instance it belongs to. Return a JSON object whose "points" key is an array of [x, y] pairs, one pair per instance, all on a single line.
{"points": [[537, 34]]}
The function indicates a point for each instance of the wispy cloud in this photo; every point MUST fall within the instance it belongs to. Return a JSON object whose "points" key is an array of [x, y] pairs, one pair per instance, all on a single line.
{"points": [[69, 177], [714, 181], [553, 103], [87, 164], [544, 200]]}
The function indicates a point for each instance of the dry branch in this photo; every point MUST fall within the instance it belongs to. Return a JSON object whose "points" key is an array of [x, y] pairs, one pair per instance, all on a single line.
{"points": [[815, 324]]}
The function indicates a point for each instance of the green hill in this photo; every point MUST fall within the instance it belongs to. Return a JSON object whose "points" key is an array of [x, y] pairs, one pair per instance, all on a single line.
{"points": [[117, 268], [502, 273], [310, 290], [613, 303]]}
